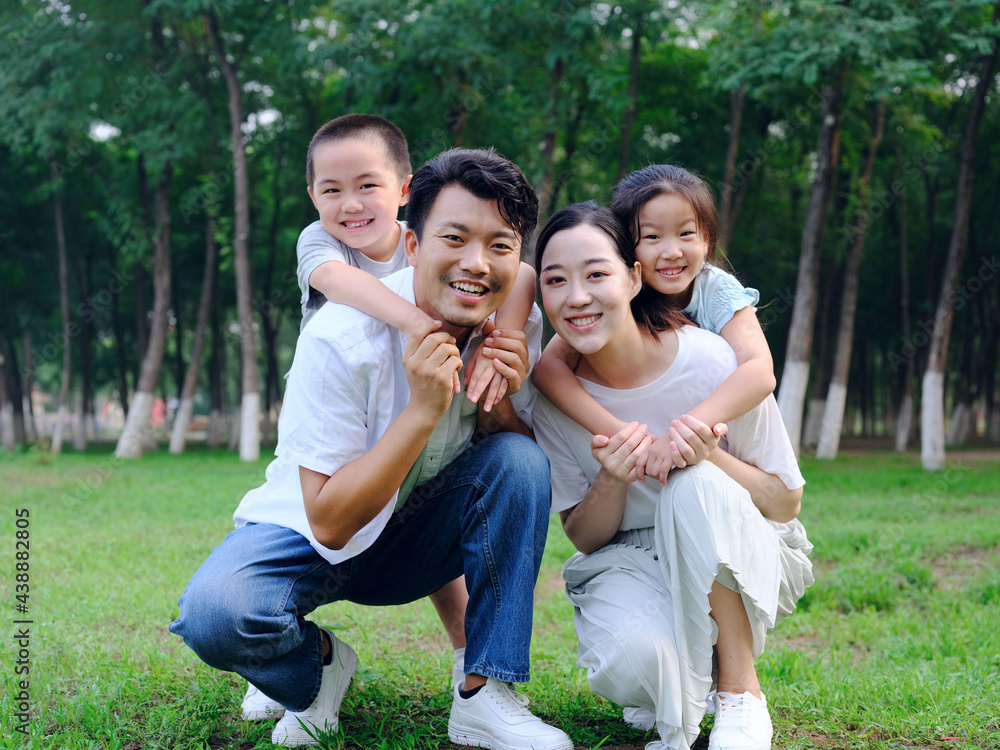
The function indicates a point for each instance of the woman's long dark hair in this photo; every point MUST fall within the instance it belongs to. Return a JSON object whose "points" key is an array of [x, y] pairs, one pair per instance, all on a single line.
{"points": [[646, 307]]}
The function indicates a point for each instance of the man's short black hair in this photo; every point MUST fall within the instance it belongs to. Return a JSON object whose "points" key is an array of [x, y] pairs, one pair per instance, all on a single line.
{"points": [[484, 173], [371, 127]]}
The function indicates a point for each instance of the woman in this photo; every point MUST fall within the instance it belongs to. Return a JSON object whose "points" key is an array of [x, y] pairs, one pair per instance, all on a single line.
{"points": [[666, 577]]}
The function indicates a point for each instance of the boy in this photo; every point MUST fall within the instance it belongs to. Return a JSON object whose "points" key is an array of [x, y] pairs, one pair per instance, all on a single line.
{"points": [[358, 175]]}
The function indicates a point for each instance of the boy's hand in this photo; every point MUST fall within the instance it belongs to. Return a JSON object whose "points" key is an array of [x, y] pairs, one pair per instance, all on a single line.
{"points": [[507, 351], [482, 377], [619, 454]]}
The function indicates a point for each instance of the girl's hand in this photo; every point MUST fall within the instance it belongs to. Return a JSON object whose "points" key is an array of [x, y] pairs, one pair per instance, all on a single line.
{"points": [[659, 460], [692, 441], [619, 454]]}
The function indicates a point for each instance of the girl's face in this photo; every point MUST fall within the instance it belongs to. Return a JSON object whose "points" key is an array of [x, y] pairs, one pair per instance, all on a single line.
{"points": [[671, 250], [586, 288]]}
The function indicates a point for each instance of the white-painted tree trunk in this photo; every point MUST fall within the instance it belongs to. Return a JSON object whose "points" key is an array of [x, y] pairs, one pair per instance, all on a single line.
{"points": [[792, 397], [181, 421], [234, 429], [250, 427], [833, 422], [7, 426], [993, 428], [89, 428], [79, 432], [932, 455], [216, 428], [961, 425], [30, 428], [814, 418], [138, 427], [904, 425], [57, 431]]}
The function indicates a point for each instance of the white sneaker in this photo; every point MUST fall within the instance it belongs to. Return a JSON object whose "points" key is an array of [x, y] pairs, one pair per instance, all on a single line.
{"points": [[497, 718], [258, 707], [639, 718], [303, 727], [741, 723]]}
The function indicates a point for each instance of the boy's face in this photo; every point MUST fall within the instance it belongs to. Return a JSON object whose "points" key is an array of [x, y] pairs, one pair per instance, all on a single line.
{"points": [[467, 261], [358, 195]]}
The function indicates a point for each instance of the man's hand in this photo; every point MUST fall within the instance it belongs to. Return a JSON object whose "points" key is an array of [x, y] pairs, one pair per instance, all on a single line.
{"points": [[508, 351], [619, 453], [432, 366]]}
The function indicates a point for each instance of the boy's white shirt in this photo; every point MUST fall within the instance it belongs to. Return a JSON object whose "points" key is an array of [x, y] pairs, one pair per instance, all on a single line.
{"points": [[316, 246], [346, 386]]}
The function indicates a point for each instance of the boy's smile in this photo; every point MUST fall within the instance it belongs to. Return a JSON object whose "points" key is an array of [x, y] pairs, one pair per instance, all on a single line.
{"points": [[358, 195]]}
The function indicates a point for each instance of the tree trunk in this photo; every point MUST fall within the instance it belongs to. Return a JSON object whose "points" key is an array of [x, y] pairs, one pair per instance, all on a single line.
{"points": [[250, 401], [186, 405], [570, 144], [545, 187], [31, 428], [57, 433], [833, 416], [16, 393], [138, 432], [175, 303], [633, 93], [736, 99], [6, 408], [904, 423], [932, 453], [795, 373], [85, 419], [824, 355], [217, 365]]}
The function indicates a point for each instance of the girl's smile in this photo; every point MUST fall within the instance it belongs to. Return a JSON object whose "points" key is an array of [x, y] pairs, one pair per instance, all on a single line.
{"points": [[671, 249]]}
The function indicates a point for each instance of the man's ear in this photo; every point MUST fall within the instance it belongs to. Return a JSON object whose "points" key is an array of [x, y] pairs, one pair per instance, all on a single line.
{"points": [[404, 195], [410, 245]]}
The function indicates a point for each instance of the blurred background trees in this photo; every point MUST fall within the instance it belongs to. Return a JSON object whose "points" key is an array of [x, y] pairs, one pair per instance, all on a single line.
{"points": [[152, 187]]}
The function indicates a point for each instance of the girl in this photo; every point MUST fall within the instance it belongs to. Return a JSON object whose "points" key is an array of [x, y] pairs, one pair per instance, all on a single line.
{"points": [[665, 578], [672, 217]]}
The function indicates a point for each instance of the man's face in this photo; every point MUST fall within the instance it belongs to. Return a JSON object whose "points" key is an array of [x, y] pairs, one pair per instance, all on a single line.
{"points": [[466, 262]]}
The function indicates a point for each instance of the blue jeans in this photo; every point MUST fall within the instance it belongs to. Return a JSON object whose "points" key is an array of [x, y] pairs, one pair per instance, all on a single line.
{"points": [[485, 515]]}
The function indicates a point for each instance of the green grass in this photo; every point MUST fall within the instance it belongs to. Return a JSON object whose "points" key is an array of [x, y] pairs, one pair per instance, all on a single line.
{"points": [[897, 645]]}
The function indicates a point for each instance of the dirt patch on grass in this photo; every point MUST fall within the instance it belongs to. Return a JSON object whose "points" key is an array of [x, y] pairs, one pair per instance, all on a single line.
{"points": [[549, 586], [953, 570]]}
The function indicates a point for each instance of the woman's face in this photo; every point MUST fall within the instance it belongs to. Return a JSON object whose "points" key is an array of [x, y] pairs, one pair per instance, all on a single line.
{"points": [[586, 288]]}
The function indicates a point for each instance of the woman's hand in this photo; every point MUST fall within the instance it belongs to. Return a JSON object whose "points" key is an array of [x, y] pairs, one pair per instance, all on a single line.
{"points": [[619, 454], [688, 442]]}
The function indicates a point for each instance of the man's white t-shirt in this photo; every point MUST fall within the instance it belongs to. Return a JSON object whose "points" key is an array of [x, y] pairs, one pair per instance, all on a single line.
{"points": [[346, 386], [703, 361]]}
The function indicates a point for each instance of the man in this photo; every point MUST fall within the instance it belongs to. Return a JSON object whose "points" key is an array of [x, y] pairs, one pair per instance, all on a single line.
{"points": [[388, 484]]}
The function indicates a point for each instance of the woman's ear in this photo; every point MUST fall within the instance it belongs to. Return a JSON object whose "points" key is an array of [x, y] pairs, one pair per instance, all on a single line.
{"points": [[635, 279]]}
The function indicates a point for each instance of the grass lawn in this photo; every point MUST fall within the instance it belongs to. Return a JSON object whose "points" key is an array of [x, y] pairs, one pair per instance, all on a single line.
{"points": [[897, 645]]}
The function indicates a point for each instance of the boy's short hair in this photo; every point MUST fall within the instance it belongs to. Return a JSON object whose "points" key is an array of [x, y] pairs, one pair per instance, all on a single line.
{"points": [[371, 127], [484, 173]]}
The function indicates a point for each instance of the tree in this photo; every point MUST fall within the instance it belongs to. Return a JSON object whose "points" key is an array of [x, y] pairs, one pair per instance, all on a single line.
{"points": [[932, 430], [830, 430]]}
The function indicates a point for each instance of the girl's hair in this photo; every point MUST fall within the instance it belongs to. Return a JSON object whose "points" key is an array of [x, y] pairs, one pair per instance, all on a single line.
{"points": [[634, 191], [654, 318]]}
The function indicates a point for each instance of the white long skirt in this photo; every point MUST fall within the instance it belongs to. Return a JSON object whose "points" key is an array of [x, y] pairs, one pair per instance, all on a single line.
{"points": [[642, 616]]}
